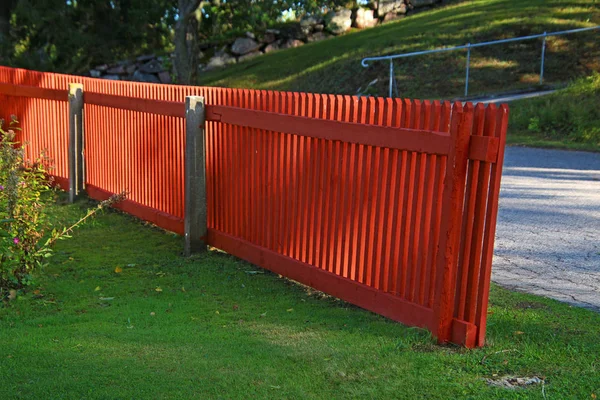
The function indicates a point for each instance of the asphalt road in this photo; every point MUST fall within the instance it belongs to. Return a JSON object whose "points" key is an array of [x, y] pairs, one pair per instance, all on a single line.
{"points": [[548, 232]]}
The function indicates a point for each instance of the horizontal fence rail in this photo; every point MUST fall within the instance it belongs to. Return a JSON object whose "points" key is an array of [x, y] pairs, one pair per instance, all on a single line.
{"points": [[386, 203]]}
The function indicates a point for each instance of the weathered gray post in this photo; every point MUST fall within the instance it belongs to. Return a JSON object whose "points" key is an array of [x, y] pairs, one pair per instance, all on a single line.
{"points": [[76, 172], [195, 176]]}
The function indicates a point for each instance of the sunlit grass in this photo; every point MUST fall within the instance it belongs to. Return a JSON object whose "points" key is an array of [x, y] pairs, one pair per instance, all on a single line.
{"points": [[213, 326]]}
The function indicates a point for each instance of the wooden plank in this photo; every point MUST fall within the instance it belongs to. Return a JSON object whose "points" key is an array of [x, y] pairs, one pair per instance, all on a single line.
{"points": [[484, 148], [421, 141], [361, 295], [160, 107], [10, 89]]}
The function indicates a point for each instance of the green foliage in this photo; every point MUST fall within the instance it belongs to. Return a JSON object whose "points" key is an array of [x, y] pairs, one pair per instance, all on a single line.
{"points": [[22, 218], [74, 35], [570, 116]]}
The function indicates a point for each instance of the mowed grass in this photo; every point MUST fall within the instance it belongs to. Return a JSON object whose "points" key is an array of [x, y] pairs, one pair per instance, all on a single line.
{"points": [[212, 326], [333, 65], [569, 118]]}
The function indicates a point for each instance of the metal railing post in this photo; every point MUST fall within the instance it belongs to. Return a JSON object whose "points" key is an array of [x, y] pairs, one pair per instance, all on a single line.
{"points": [[468, 67], [76, 162], [543, 58], [391, 76]]}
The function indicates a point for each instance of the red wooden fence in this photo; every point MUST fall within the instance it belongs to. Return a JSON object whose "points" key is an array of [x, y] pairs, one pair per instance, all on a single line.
{"points": [[389, 204]]}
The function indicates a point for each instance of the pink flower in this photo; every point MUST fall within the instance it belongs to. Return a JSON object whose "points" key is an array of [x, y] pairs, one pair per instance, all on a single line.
{"points": [[1, 187], [16, 240]]}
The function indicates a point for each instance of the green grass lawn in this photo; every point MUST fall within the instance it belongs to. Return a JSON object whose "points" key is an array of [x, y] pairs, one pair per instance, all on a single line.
{"points": [[333, 65], [217, 327]]}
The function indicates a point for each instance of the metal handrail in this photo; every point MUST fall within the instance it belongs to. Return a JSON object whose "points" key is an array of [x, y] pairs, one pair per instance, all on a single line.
{"points": [[469, 46]]}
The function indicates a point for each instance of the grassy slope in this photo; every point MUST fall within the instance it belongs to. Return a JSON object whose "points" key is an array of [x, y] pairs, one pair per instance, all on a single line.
{"points": [[219, 330], [333, 66], [569, 118]]}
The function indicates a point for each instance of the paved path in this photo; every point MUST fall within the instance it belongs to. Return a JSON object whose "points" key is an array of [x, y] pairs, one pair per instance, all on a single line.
{"points": [[548, 232]]}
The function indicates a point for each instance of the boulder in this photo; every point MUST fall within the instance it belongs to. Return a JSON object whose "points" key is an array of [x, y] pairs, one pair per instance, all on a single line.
{"points": [[291, 43], [338, 22], [272, 47], [111, 77], [243, 46], [164, 77], [317, 36], [118, 70], [219, 61], [94, 73], [101, 68], [249, 56], [392, 17], [365, 19], [318, 28], [145, 58], [152, 67], [268, 37], [250, 35], [143, 77], [309, 21], [275, 32], [131, 69], [391, 6], [422, 3]]}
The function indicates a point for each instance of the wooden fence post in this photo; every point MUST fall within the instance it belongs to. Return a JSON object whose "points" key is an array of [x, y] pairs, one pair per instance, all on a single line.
{"points": [[76, 171], [450, 230], [195, 225]]}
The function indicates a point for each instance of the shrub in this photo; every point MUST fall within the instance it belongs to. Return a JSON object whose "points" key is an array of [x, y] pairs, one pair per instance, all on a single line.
{"points": [[25, 193]]}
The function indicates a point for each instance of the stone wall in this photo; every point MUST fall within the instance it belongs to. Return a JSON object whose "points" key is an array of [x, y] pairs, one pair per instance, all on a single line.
{"points": [[150, 68]]}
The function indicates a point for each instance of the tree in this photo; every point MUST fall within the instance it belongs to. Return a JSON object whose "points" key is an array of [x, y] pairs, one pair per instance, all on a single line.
{"points": [[6, 10], [186, 41]]}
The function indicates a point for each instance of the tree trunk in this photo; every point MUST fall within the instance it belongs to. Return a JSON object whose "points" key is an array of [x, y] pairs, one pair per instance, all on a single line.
{"points": [[186, 42]]}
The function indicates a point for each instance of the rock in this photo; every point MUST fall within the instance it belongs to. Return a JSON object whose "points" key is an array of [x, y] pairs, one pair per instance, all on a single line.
{"points": [[94, 73], [391, 6], [338, 22], [118, 70], [306, 30], [111, 77], [272, 47], [318, 28], [291, 43], [250, 35], [243, 46], [317, 36], [219, 61], [142, 77], [392, 17], [152, 67], [364, 19], [145, 58], [310, 21], [101, 68], [268, 37], [131, 69], [275, 32], [422, 3], [249, 56], [164, 77]]}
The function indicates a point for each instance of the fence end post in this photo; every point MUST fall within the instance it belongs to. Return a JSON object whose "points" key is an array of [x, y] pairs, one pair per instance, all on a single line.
{"points": [[76, 171], [452, 215], [195, 219]]}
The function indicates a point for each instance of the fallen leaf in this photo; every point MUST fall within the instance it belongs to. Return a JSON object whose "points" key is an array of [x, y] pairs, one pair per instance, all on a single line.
{"points": [[594, 396], [235, 307], [152, 314], [263, 315], [182, 289], [106, 298], [290, 310], [97, 289], [12, 294], [158, 289], [519, 333], [217, 312], [118, 270]]}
